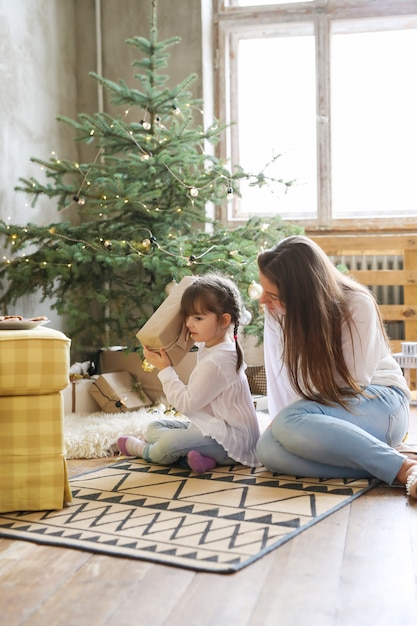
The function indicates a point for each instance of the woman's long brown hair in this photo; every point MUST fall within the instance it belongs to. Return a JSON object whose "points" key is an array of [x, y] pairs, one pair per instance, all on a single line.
{"points": [[316, 296]]}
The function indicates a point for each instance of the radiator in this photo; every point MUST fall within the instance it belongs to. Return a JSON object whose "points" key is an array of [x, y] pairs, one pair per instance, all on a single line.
{"points": [[384, 294]]}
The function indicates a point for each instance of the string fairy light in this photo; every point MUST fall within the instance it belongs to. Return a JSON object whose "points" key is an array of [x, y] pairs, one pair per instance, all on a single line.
{"points": [[150, 245], [87, 244], [146, 154]]}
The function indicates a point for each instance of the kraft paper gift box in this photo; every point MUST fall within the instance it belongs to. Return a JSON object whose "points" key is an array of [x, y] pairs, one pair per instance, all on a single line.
{"points": [[123, 360], [115, 393], [166, 328], [77, 397]]}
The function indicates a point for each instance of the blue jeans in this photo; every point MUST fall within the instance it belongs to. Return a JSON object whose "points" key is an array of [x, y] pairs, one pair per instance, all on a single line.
{"points": [[171, 440], [310, 439]]}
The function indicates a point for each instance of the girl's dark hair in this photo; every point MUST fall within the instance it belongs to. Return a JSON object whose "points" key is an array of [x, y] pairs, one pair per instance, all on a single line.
{"points": [[216, 294], [316, 299]]}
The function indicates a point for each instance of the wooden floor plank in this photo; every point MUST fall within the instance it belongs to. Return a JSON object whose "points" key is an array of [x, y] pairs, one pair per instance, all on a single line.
{"points": [[229, 599], [11, 552], [379, 559], [302, 584], [153, 599], [93, 594], [35, 577]]}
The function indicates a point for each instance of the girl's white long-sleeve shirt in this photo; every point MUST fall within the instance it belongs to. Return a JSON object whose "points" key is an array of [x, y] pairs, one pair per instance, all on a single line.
{"points": [[217, 399], [367, 356]]}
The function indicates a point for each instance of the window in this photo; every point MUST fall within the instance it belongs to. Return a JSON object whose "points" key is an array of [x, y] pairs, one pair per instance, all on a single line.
{"points": [[325, 91]]}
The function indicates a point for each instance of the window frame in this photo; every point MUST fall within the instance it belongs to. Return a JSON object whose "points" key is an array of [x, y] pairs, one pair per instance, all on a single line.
{"points": [[233, 22]]}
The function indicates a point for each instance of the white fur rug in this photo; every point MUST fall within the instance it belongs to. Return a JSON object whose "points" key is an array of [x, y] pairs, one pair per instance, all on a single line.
{"points": [[93, 436]]}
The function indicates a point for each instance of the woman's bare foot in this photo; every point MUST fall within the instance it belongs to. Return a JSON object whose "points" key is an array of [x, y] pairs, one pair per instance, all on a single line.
{"points": [[408, 477]]}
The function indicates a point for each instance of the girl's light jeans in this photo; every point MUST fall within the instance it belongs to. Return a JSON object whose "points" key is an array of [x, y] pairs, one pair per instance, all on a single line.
{"points": [[310, 439], [171, 440]]}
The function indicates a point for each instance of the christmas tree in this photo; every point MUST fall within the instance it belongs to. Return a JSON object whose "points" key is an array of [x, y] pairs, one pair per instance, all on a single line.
{"points": [[141, 220]]}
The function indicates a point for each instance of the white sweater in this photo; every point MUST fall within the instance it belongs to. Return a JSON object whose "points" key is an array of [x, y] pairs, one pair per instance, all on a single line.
{"points": [[368, 358], [218, 400]]}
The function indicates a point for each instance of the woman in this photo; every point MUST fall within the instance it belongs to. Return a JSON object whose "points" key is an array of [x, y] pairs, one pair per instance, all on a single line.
{"points": [[340, 398]]}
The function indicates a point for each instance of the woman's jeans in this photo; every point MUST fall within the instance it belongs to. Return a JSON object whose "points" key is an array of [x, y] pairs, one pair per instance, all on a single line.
{"points": [[310, 439], [171, 440]]}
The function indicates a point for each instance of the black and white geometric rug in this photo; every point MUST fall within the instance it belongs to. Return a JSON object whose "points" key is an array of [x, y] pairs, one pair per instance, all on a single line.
{"points": [[220, 521]]}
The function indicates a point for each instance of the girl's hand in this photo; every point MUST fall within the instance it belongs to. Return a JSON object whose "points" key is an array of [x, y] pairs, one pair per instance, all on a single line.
{"points": [[157, 358]]}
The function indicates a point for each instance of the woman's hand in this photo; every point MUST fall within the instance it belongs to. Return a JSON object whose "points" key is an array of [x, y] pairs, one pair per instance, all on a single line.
{"points": [[157, 358]]}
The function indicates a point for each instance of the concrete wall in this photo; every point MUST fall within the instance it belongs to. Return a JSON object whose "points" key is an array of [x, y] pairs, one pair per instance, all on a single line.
{"points": [[47, 49], [38, 82]]}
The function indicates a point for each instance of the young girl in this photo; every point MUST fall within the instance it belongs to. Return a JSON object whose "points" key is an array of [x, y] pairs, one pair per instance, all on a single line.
{"points": [[340, 398], [222, 426]]}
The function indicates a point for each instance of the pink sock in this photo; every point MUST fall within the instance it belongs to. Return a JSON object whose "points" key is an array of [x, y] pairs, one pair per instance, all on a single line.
{"points": [[199, 463], [131, 446]]}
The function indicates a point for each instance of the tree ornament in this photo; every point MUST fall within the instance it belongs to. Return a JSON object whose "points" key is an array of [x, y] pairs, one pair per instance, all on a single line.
{"points": [[145, 125], [78, 200], [193, 192], [108, 244], [229, 194], [255, 290], [245, 317]]}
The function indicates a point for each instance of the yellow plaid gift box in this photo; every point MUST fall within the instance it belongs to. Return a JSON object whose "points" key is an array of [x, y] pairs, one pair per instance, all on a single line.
{"points": [[34, 368]]}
